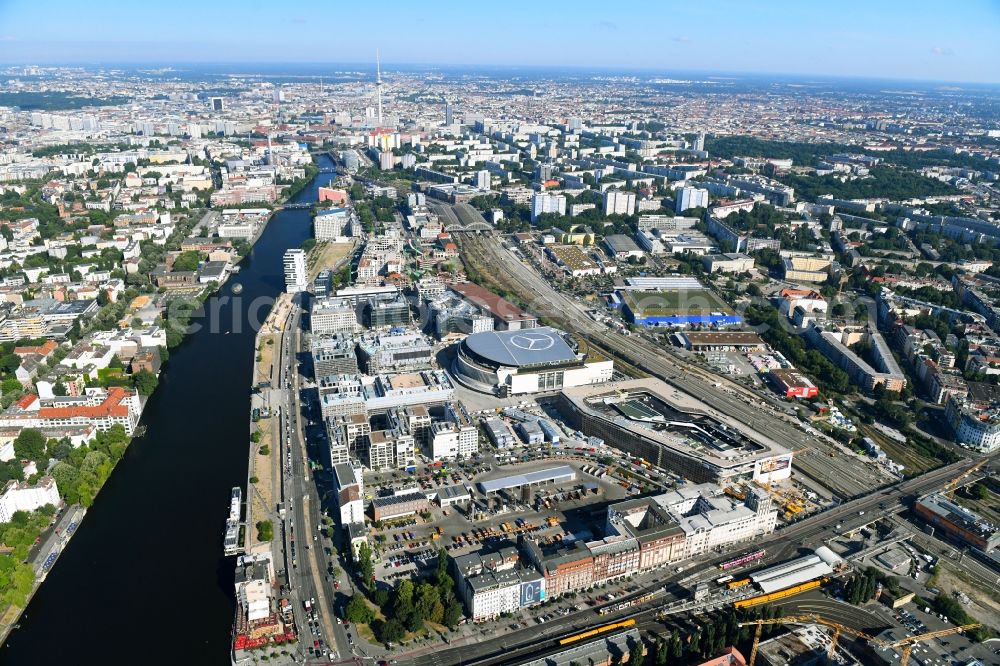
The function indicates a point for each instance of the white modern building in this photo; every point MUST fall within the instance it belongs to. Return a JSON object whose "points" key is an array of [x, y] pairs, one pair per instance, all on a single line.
{"points": [[710, 519], [350, 488], [617, 202], [24, 497], [332, 316], [542, 202], [296, 275], [689, 197], [451, 440], [331, 225]]}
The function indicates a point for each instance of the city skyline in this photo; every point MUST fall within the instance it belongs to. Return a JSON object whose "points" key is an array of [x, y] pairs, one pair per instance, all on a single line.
{"points": [[889, 41]]}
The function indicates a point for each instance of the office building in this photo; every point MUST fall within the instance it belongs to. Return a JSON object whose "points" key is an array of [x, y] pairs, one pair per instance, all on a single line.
{"points": [[331, 316], [957, 523]]}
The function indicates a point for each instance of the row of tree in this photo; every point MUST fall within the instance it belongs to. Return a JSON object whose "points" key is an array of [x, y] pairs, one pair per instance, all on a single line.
{"points": [[17, 576], [708, 636]]}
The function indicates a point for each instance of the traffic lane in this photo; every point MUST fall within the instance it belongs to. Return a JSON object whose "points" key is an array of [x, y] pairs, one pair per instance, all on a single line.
{"points": [[304, 588], [314, 580]]}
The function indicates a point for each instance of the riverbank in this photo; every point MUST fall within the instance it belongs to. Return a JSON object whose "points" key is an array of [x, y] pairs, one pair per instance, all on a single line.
{"points": [[264, 481], [176, 476]]}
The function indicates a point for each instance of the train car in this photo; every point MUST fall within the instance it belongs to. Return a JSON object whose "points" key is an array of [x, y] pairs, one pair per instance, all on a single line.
{"points": [[723, 580], [624, 624], [734, 584], [743, 559], [780, 594]]}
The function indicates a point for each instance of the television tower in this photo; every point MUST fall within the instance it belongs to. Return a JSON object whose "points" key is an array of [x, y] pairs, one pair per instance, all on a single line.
{"points": [[378, 88]]}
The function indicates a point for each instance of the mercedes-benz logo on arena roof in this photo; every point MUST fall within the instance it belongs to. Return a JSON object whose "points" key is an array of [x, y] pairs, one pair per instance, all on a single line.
{"points": [[532, 341]]}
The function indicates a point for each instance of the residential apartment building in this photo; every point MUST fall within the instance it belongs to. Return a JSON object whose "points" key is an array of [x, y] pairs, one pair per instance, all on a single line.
{"points": [[617, 202], [22, 496], [689, 197], [96, 406], [349, 485], [547, 203], [296, 275]]}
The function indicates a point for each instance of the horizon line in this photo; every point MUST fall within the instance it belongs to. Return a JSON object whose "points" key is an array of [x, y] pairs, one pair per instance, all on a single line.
{"points": [[161, 64]]}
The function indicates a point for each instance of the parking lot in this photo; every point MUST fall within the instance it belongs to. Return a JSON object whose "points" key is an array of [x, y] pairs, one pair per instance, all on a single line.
{"points": [[548, 513]]}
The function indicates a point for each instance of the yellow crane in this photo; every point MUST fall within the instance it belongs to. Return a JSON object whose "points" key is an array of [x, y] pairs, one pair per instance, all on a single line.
{"points": [[803, 619], [949, 489], [905, 645]]}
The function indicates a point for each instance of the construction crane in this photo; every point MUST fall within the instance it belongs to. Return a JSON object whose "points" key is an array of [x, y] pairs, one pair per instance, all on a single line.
{"points": [[949, 489], [803, 619], [905, 645]]}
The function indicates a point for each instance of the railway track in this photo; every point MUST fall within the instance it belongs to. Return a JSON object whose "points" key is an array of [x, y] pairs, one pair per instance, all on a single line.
{"points": [[822, 461]]}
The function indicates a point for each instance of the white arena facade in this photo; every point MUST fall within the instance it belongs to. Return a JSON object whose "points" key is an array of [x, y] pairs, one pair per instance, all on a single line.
{"points": [[525, 361]]}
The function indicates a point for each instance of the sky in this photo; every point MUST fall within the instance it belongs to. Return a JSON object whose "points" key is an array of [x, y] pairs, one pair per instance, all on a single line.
{"points": [[896, 39]]}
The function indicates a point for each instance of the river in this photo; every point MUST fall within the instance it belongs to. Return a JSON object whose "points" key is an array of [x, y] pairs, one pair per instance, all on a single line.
{"points": [[144, 580]]}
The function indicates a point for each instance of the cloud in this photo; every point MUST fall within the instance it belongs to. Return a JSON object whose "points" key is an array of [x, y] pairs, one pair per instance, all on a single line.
{"points": [[942, 51], [299, 20], [8, 38], [606, 25], [682, 40]]}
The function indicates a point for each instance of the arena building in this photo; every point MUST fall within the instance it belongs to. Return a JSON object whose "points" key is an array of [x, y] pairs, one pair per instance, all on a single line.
{"points": [[526, 361], [673, 430]]}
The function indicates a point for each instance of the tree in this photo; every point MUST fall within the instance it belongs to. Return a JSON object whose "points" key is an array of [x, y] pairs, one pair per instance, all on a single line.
{"points": [[11, 470], [390, 631], [403, 604], [265, 530], [358, 611], [60, 449], [10, 362], [187, 261], [59, 389], [30, 445], [11, 385], [415, 621], [145, 382], [67, 477], [453, 614], [676, 646], [365, 565]]}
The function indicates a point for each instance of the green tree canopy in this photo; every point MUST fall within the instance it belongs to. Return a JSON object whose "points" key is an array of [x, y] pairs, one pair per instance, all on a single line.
{"points": [[30, 445]]}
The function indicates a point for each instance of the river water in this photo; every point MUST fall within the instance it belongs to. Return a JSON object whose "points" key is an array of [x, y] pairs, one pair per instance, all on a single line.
{"points": [[144, 580]]}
